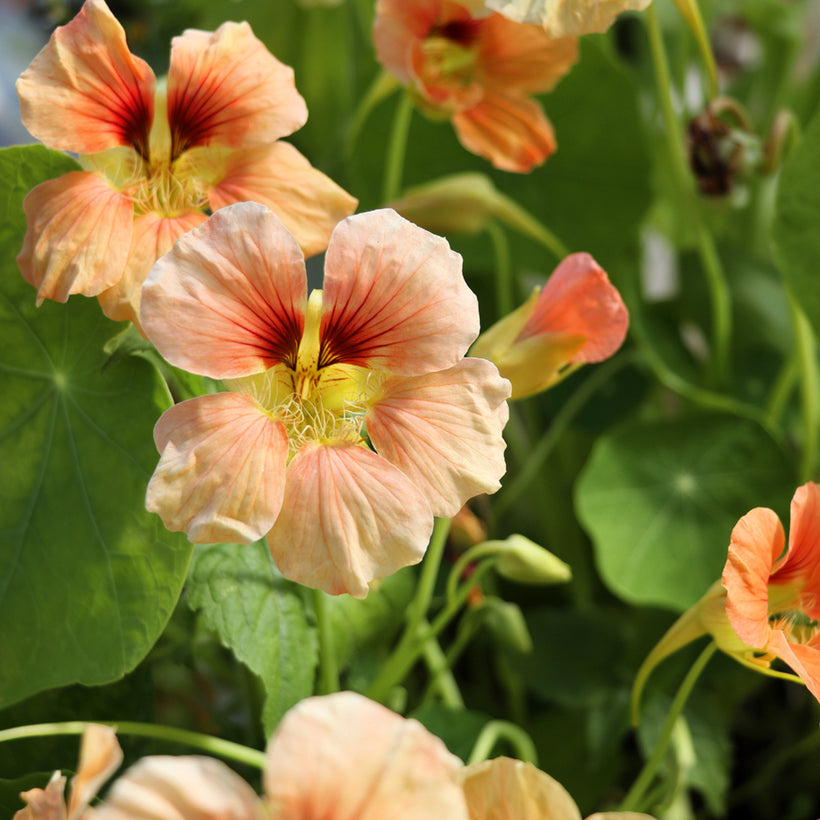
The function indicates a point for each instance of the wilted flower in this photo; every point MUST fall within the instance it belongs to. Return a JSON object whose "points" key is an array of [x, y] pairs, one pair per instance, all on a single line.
{"points": [[478, 72], [578, 318], [100, 757], [374, 360], [562, 18], [158, 157]]}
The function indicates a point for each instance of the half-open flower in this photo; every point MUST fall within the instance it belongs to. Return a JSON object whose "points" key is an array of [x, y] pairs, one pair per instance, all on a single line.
{"points": [[158, 157], [397, 769], [578, 318], [480, 72], [352, 417]]}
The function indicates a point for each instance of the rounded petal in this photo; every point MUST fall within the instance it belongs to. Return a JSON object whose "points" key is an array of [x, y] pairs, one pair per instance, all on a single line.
{"points": [[804, 659], [85, 91], [225, 87], [443, 430], [152, 236], [398, 26], [100, 757], [221, 473], [77, 236], [161, 787], [757, 541], [399, 771], [507, 789], [348, 517], [562, 18], [279, 177], [394, 297], [229, 299], [512, 132], [579, 300]]}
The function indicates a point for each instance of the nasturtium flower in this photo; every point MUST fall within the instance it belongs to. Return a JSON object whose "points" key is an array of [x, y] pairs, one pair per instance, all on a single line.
{"points": [[562, 18], [352, 416], [479, 72], [577, 318], [100, 757], [158, 157], [334, 757]]}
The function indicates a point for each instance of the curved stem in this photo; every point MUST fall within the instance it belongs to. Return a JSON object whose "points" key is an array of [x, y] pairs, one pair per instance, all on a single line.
{"points": [[328, 680], [634, 797], [397, 148], [384, 85], [504, 286], [496, 730], [442, 677], [212, 745]]}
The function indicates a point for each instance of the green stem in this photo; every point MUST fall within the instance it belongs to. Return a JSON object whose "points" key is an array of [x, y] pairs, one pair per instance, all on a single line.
{"points": [[397, 148], [328, 680], [212, 745], [440, 670], [417, 610], [715, 278], [504, 286], [383, 85], [496, 730], [634, 797], [782, 390], [514, 216]]}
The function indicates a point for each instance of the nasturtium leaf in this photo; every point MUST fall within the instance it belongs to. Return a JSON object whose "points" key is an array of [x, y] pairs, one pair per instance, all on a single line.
{"points": [[659, 500], [88, 578], [261, 617], [797, 214]]}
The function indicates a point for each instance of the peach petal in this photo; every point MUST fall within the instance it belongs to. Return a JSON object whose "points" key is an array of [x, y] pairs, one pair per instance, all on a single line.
{"points": [[561, 18], [162, 787], [221, 474], [443, 430], [152, 236], [756, 542], [85, 91], [278, 176], [225, 87], [511, 132], [397, 771], [229, 298], [507, 789], [801, 564], [44, 804], [395, 297], [620, 815], [579, 300], [804, 659], [398, 26], [77, 236], [100, 757], [348, 517]]}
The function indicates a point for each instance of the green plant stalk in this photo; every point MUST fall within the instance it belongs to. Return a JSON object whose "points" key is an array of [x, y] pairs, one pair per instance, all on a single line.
{"points": [[635, 796], [440, 667], [381, 88], [512, 214], [328, 678], [496, 730], [781, 390], [504, 285], [397, 148], [715, 279], [417, 610], [212, 745]]}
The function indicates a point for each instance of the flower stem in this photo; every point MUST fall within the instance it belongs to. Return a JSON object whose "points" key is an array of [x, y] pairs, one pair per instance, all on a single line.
{"points": [[384, 85], [443, 679], [397, 148], [417, 610], [328, 678], [213, 745], [504, 285], [494, 731], [634, 797]]}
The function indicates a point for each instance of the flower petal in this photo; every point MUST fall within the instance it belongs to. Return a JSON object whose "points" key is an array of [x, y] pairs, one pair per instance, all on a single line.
{"points": [[225, 87], [397, 768], [398, 26], [279, 177], [77, 236], [394, 297], [561, 18], [161, 787], [221, 474], [579, 299], [348, 517], [804, 659], [757, 540], [100, 757], [507, 789], [512, 132], [44, 804], [443, 430], [85, 91], [229, 299], [152, 236]]}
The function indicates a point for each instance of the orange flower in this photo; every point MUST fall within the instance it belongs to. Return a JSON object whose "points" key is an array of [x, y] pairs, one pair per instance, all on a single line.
{"points": [[578, 318], [158, 157], [479, 72]]}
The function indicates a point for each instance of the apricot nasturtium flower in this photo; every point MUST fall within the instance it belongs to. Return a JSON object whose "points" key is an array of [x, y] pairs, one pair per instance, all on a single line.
{"points": [[374, 361], [578, 318], [478, 72], [158, 156], [335, 757]]}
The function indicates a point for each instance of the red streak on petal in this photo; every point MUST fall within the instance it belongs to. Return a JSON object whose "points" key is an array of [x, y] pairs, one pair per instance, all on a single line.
{"points": [[192, 112]]}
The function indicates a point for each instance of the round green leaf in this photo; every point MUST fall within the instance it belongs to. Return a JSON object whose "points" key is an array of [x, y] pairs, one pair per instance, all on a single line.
{"points": [[88, 578], [660, 499]]}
